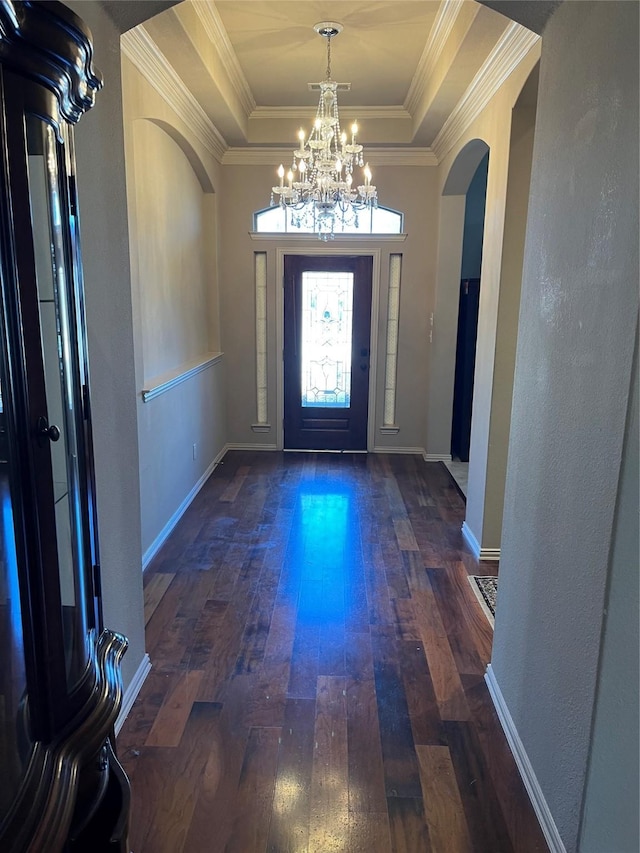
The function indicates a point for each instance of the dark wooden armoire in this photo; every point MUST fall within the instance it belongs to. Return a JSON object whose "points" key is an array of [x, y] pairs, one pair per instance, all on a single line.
{"points": [[61, 787]]}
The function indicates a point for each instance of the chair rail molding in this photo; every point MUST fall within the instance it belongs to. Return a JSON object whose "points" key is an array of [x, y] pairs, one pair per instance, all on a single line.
{"points": [[166, 381]]}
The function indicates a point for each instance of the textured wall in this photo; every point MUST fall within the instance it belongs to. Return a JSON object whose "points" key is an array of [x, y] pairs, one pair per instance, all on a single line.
{"points": [[171, 232], [613, 792], [575, 344], [172, 225], [103, 211], [443, 347], [520, 154]]}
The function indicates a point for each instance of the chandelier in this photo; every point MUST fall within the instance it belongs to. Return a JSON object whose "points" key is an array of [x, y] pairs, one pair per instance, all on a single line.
{"points": [[319, 189]]}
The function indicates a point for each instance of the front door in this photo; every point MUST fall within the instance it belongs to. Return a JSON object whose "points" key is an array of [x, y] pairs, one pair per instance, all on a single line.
{"points": [[327, 329]]}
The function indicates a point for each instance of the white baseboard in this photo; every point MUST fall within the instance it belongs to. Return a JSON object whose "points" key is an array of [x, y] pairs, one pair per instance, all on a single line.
{"points": [[241, 445], [436, 457], [131, 693], [538, 801], [490, 555], [160, 539], [412, 450]]}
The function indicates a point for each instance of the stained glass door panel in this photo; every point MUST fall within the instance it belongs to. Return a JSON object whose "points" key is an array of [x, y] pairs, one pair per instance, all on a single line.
{"points": [[327, 312], [326, 352]]}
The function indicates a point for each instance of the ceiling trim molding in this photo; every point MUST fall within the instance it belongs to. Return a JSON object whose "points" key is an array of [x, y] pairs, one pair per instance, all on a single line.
{"points": [[401, 157], [514, 44], [140, 48], [286, 236], [283, 113], [257, 156], [219, 38], [447, 15], [260, 156]]}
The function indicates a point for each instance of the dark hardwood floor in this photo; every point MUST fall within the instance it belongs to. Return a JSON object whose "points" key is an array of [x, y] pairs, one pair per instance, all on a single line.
{"points": [[318, 659]]}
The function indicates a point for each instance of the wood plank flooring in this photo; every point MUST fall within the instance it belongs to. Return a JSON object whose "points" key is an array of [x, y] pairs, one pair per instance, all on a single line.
{"points": [[318, 659]]}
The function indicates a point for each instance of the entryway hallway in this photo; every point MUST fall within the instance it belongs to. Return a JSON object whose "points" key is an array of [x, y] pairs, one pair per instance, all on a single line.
{"points": [[318, 660]]}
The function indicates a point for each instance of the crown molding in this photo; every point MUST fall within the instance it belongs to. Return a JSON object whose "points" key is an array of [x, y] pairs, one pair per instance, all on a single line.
{"points": [[394, 113], [448, 12], [257, 156], [401, 157], [260, 156], [219, 38], [142, 51], [514, 44]]}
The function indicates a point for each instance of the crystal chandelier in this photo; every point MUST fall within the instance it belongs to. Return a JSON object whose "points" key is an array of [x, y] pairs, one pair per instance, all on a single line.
{"points": [[319, 189]]}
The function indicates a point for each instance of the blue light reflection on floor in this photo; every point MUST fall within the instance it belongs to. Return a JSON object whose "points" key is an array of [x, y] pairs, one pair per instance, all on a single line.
{"points": [[328, 544]]}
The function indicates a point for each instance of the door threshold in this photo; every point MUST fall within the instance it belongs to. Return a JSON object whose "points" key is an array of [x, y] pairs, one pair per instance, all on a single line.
{"points": [[311, 450]]}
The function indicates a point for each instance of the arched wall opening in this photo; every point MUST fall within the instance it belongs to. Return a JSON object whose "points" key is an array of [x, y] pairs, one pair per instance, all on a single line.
{"points": [[448, 277], [497, 336], [502, 260], [468, 307]]}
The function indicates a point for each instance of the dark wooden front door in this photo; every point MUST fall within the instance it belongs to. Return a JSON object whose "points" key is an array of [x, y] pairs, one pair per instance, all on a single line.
{"points": [[327, 328]]}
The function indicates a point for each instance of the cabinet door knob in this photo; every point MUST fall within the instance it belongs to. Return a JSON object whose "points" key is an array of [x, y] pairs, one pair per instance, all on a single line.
{"points": [[43, 429]]}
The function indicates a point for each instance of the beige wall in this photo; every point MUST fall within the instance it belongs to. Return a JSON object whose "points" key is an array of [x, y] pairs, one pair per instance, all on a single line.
{"points": [[520, 154], [170, 234], [493, 127], [613, 791], [172, 224], [445, 325], [410, 189], [569, 518]]}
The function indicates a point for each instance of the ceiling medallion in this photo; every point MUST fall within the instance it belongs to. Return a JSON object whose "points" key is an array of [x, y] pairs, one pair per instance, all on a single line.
{"points": [[319, 192]]}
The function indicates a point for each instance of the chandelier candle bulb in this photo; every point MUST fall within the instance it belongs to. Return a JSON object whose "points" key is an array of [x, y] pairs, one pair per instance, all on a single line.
{"points": [[281, 175]]}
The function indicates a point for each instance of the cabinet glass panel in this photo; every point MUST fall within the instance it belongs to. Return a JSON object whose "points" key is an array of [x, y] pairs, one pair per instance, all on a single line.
{"points": [[14, 735], [63, 390]]}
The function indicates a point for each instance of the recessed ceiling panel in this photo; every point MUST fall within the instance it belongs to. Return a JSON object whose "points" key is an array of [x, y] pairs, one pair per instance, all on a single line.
{"points": [[280, 53]]}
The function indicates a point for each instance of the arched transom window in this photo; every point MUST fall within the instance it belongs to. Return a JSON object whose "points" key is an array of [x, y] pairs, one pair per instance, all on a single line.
{"points": [[278, 220]]}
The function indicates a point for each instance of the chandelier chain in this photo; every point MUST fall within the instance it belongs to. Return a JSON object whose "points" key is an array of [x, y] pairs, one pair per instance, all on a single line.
{"points": [[329, 58]]}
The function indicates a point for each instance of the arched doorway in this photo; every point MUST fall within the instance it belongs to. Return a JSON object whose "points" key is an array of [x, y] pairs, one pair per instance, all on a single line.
{"points": [[450, 274], [503, 248], [468, 307]]}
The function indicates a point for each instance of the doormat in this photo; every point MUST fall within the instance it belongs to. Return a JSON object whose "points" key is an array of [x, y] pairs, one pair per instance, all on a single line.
{"points": [[486, 591]]}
